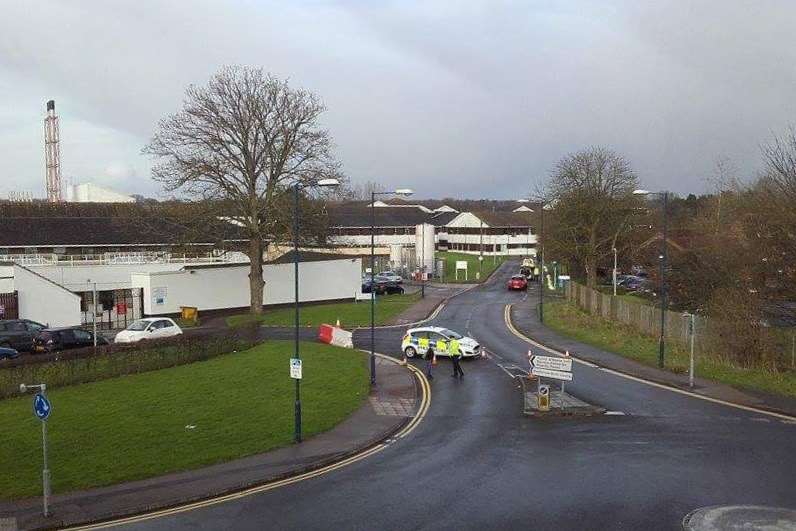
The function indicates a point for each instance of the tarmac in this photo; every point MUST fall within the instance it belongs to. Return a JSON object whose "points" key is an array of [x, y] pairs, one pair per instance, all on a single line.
{"points": [[525, 319], [391, 405]]}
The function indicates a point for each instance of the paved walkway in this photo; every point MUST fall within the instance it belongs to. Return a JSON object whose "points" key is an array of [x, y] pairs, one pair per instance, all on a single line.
{"points": [[526, 320], [388, 409], [434, 296]]}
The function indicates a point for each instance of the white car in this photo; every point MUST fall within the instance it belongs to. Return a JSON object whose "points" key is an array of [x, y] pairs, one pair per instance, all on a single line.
{"points": [[148, 328], [390, 277], [414, 342]]}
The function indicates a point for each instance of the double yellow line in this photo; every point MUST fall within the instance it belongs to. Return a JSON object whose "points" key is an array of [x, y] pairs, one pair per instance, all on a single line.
{"points": [[425, 403], [513, 330]]}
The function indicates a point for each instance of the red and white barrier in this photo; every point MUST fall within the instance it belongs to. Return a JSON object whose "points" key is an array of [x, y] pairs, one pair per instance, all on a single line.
{"points": [[334, 335]]}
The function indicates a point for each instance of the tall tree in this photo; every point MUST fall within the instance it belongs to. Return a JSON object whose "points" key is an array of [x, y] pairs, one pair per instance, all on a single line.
{"points": [[591, 192], [243, 139]]}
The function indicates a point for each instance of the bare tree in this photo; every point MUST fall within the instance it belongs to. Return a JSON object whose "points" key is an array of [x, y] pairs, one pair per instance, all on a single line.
{"points": [[243, 139], [591, 193], [780, 159]]}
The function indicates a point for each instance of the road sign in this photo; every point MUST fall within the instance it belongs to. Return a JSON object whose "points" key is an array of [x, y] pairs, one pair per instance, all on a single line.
{"points": [[551, 363], [549, 373], [295, 368], [41, 406]]}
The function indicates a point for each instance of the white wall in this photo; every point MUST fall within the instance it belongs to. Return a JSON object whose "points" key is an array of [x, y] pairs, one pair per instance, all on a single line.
{"points": [[218, 288], [44, 301], [107, 276]]}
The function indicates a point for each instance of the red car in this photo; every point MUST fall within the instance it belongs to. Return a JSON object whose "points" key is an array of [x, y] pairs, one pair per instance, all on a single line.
{"points": [[518, 282]]}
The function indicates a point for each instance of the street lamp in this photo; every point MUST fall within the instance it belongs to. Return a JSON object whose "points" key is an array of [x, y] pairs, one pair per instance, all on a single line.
{"points": [[323, 183], [530, 210], [405, 192], [664, 258], [543, 206]]}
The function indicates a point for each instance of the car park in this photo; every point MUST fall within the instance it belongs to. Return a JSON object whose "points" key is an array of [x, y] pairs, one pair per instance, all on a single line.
{"points": [[390, 276], [65, 338], [8, 353], [416, 341], [148, 328], [518, 282], [18, 334], [381, 287]]}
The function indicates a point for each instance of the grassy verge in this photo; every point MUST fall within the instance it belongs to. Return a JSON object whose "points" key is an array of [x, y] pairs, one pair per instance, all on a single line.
{"points": [[572, 322], [351, 314], [136, 426], [490, 263]]}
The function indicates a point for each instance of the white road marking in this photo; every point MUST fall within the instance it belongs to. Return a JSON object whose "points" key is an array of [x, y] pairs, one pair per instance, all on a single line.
{"points": [[513, 330], [614, 413]]}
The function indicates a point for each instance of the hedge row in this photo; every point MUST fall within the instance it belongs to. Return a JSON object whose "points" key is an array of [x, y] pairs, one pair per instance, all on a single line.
{"points": [[85, 365]]}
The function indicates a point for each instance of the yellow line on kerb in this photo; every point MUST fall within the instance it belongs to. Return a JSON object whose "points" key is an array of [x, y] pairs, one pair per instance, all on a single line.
{"points": [[513, 330], [425, 403]]}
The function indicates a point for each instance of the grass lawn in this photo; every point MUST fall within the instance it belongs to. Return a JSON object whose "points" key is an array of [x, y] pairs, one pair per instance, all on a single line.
{"points": [[351, 314], [490, 263], [134, 427], [572, 322]]}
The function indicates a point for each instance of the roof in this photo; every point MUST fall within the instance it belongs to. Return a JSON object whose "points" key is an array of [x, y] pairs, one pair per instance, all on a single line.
{"points": [[503, 219], [88, 231], [359, 216], [287, 258]]}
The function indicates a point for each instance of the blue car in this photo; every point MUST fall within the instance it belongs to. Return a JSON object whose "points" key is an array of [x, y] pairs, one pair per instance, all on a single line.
{"points": [[8, 353]]}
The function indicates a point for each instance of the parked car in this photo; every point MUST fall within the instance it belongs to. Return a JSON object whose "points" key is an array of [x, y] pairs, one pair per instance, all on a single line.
{"points": [[148, 328], [8, 353], [18, 334], [412, 345], [65, 338], [381, 287], [390, 276], [518, 282]]}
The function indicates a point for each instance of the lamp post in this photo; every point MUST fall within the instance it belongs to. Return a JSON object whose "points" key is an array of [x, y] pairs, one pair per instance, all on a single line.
{"points": [[664, 258], [614, 276], [323, 183], [402, 192]]}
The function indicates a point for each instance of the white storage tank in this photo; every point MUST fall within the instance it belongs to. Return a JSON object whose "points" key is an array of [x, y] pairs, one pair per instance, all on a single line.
{"points": [[424, 245]]}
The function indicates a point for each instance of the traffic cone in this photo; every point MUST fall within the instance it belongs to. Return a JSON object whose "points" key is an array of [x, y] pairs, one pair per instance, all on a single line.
{"points": [[566, 353], [338, 323]]}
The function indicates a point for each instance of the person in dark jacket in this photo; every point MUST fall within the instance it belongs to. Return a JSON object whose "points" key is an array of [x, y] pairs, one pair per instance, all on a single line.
{"points": [[430, 358]]}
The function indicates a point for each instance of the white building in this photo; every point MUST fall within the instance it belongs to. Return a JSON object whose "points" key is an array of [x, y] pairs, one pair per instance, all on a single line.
{"points": [[91, 193]]}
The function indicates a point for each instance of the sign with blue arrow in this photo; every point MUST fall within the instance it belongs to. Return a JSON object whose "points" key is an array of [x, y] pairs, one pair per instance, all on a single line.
{"points": [[41, 406]]}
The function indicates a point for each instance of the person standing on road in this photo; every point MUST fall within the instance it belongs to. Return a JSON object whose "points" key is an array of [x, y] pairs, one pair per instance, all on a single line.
{"points": [[456, 357], [430, 359]]}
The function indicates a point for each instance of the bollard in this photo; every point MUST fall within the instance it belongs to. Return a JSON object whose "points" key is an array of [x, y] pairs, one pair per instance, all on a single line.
{"points": [[544, 398]]}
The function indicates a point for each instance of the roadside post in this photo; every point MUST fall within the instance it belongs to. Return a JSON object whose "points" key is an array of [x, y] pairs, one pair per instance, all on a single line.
{"points": [[544, 398], [691, 333], [42, 409]]}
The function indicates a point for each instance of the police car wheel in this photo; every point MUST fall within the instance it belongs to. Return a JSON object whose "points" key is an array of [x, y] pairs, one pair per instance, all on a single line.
{"points": [[410, 352]]}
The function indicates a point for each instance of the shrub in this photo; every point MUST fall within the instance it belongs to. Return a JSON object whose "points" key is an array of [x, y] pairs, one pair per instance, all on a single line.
{"points": [[84, 365]]}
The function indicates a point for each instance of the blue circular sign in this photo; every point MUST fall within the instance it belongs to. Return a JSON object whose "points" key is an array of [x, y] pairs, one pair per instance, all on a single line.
{"points": [[41, 406]]}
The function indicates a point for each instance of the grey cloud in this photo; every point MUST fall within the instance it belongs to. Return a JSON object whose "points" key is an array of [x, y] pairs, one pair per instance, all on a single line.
{"points": [[471, 98]]}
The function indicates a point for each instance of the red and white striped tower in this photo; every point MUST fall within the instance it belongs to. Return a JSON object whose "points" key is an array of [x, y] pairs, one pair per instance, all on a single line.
{"points": [[52, 155]]}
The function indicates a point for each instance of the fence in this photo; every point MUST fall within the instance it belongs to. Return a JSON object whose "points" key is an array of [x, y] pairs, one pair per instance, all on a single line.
{"points": [[646, 318]]}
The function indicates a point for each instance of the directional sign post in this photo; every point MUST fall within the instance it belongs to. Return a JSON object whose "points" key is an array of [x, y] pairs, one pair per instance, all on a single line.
{"points": [[42, 409], [552, 367]]}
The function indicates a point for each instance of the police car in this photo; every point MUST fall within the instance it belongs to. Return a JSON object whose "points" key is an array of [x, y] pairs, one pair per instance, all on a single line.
{"points": [[417, 340]]}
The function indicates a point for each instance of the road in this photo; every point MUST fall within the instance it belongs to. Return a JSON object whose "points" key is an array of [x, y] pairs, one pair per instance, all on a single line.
{"points": [[476, 463]]}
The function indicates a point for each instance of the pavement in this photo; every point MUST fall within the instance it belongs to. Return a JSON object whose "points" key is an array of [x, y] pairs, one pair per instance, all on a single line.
{"points": [[477, 462], [525, 318], [389, 407]]}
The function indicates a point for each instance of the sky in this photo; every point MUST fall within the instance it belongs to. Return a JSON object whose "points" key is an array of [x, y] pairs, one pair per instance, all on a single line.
{"points": [[456, 98]]}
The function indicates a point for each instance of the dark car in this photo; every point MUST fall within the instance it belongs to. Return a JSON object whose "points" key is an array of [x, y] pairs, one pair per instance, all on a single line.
{"points": [[54, 339], [8, 353], [381, 287], [18, 334]]}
